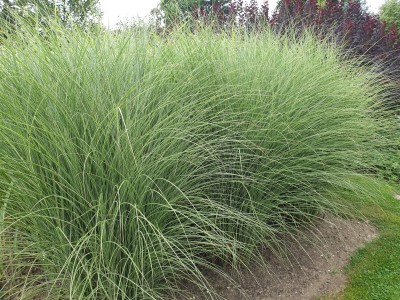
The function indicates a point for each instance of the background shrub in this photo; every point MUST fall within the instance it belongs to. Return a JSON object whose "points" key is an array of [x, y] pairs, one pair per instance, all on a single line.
{"points": [[390, 12]]}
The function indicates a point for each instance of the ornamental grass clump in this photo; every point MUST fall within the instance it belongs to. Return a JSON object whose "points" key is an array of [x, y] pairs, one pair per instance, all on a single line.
{"points": [[130, 163]]}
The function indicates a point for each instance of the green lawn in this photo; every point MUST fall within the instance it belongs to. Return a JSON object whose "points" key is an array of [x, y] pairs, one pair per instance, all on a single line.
{"points": [[374, 271]]}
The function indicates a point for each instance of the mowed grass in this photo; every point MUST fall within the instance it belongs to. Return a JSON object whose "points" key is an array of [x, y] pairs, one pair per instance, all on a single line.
{"points": [[374, 271], [130, 163]]}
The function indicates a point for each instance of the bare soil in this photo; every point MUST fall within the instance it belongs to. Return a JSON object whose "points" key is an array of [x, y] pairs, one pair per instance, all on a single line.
{"points": [[312, 270]]}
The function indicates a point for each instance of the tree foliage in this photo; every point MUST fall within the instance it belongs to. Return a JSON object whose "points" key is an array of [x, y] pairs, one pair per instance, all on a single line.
{"points": [[390, 12], [182, 9], [82, 12]]}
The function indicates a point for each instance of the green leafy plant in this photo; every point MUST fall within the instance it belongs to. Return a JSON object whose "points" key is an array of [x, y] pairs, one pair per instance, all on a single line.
{"points": [[389, 163], [390, 12]]}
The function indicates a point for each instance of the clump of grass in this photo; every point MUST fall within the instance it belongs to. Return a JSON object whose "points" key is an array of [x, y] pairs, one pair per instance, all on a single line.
{"points": [[129, 162]]}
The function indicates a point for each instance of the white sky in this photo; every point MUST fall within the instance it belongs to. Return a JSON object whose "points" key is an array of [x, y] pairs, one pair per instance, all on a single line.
{"points": [[119, 10]]}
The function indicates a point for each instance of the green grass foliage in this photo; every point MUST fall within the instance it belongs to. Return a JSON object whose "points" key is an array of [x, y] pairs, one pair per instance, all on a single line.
{"points": [[130, 163]]}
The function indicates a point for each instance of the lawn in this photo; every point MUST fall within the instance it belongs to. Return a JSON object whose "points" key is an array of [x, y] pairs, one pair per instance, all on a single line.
{"points": [[374, 271]]}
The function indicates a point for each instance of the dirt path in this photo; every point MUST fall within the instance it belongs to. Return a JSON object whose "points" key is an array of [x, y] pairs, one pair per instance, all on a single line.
{"points": [[315, 270]]}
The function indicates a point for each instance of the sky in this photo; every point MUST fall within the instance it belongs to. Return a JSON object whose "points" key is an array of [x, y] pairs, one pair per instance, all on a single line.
{"points": [[115, 11]]}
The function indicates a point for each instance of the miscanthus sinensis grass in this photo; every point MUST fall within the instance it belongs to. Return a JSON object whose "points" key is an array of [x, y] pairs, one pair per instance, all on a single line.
{"points": [[129, 163]]}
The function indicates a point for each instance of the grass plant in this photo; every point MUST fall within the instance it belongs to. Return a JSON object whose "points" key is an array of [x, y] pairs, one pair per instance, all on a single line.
{"points": [[130, 163]]}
